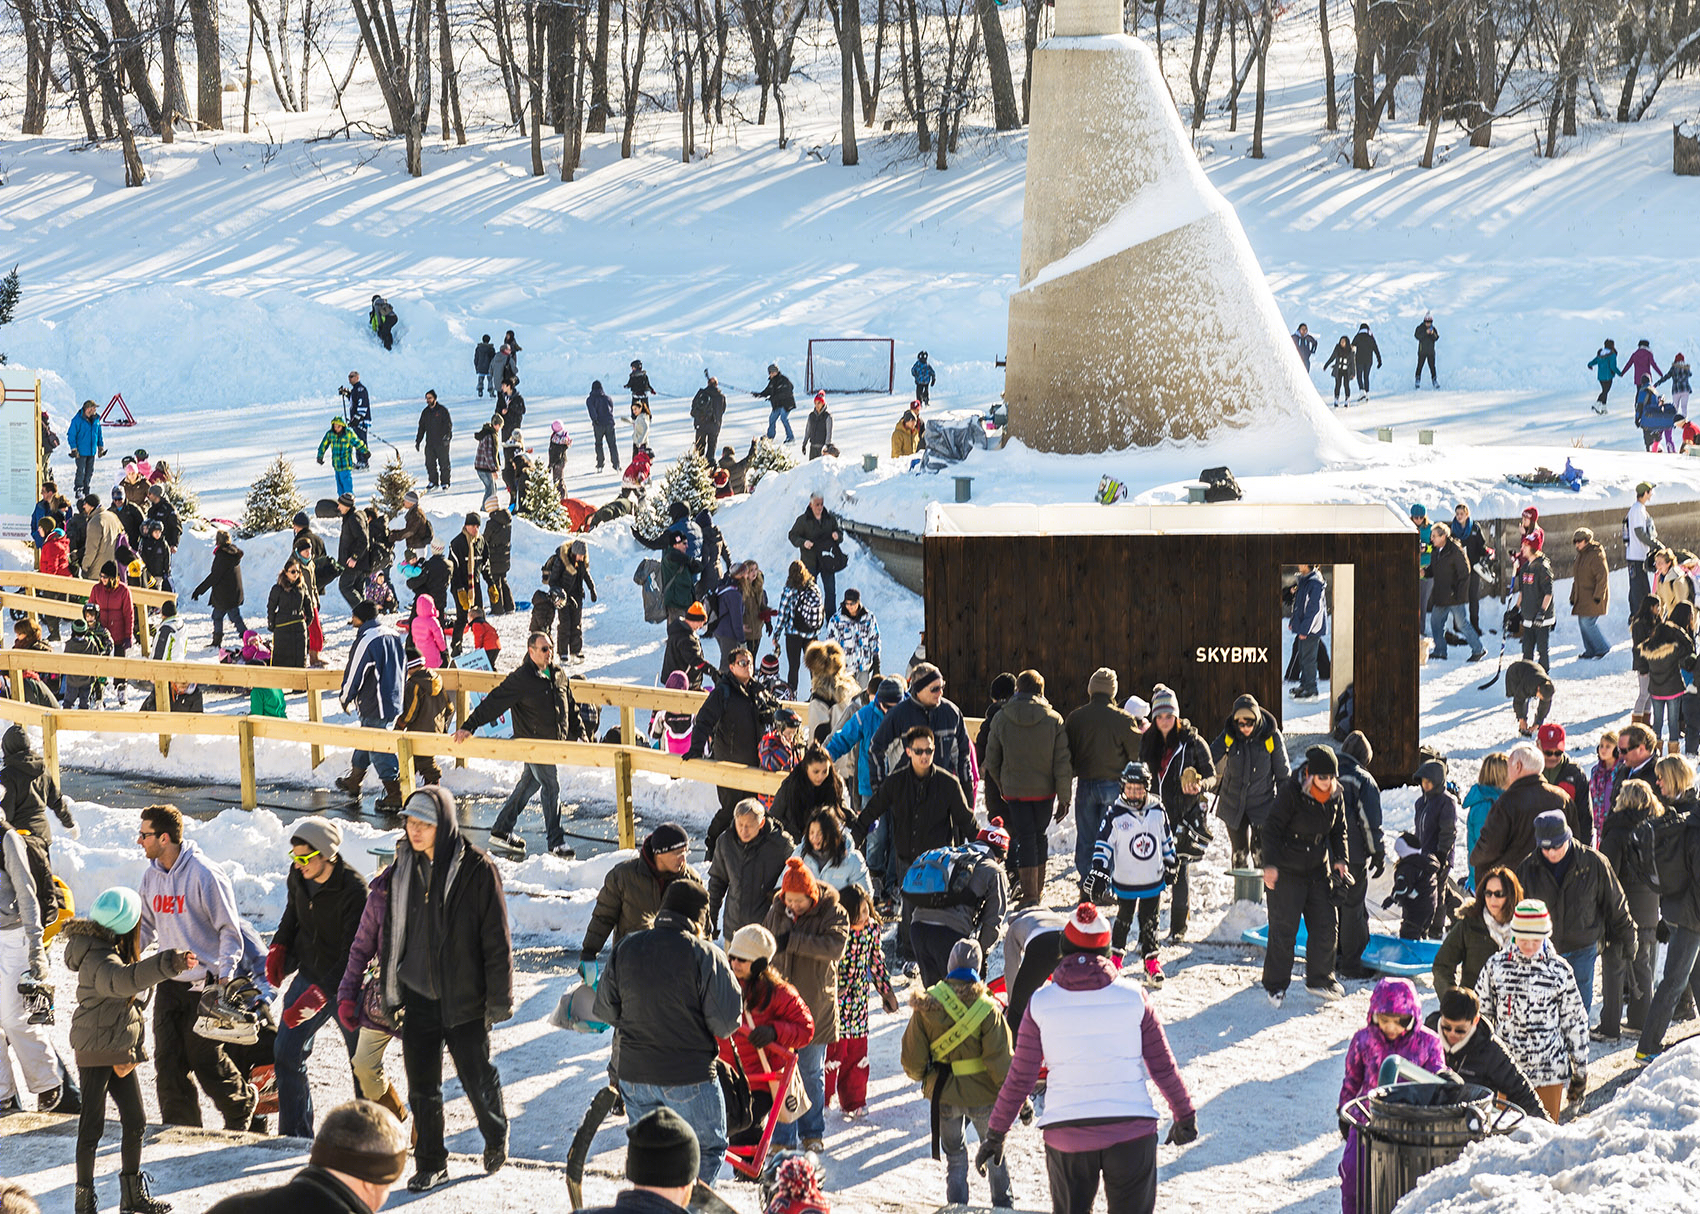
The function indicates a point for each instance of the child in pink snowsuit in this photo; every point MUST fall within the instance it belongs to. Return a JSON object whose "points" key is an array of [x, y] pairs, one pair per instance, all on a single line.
{"points": [[1395, 1027], [427, 632]]}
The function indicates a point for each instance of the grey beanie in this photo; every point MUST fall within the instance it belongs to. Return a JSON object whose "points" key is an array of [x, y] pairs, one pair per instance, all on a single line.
{"points": [[966, 955], [318, 834]]}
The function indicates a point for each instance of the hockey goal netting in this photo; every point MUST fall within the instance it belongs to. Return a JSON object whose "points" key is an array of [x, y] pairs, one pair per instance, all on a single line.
{"points": [[851, 364]]}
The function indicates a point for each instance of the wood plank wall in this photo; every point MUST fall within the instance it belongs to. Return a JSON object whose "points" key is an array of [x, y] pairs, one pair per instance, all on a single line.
{"points": [[1142, 604]]}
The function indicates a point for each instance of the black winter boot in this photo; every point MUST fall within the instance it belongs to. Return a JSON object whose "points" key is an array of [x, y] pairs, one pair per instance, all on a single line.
{"points": [[135, 1198], [85, 1201]]}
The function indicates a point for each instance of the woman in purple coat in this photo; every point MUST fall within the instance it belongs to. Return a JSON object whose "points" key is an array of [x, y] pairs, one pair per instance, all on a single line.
{"points": [[1395, 1028], [351, 1011]]}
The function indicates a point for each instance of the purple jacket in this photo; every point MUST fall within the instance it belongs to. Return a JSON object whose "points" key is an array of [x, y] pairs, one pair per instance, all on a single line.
{"points": [[1640, 363], [367, 938], [1084, 971], [1369, 1048]]}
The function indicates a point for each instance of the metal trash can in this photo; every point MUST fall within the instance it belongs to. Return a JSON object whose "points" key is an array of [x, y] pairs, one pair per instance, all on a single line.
{"points": [[1407, 1130]]}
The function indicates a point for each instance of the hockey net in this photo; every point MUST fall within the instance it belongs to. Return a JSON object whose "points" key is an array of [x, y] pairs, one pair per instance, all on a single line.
{"points": [[851, 364]]}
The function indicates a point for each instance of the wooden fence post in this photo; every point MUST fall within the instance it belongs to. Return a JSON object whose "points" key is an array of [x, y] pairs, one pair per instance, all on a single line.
{"points": [[15, 678], [628, 725], [245, 753], [143, 640], [316, 713], [463, 709], [162, 703], [404, 763], [623, 798], [50, 743]]}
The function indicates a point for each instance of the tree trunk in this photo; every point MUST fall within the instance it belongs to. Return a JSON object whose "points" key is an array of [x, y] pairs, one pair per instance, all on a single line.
{"points": [[841, 10], [306, 47], [1363, 85], [38, 67], [79, 78], [209, 74], [1030, 43], [1443, 52], [597, 122], [280, 76], [132, 54], [451, 77], [869, 85], [88, 41], [1487, 95], [917, 67], [1268, 28], [1005, 114], [248, 77], [534, 35], [645, 16], [1333, 103], [171, 73]]}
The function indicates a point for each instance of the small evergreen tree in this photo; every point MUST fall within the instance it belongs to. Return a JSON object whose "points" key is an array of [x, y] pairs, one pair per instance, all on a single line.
{"points": [[690, 481], [540, 501], [273, 501], [10, 292], [183, 499], [390, 492], [769, 457]]}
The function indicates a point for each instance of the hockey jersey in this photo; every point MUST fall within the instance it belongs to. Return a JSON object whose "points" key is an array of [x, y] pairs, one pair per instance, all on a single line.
{"points": [[1135, 849]]}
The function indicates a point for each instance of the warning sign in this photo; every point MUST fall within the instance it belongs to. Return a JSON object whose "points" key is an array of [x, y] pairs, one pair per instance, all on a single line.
{"points": [[117, 413]]}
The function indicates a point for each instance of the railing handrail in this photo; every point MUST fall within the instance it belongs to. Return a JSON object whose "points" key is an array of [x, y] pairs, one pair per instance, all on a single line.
{"points": [[32, 579]]}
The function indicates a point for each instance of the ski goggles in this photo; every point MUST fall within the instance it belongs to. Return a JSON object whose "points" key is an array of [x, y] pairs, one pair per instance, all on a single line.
{"points": [[302, 861]]}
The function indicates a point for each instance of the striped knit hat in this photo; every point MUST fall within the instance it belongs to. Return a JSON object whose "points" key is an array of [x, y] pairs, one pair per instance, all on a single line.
{"points": [[1531, 920], [1086, 930]]}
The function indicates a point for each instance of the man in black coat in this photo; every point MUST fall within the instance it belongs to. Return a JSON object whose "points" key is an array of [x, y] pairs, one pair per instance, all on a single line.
{"points": [[1304, 840], [351, 549], [541, 699], [708, 408], [816, 537], [1364, 348], [781, 396], [161, 509], [730, 724], [683, 651], [447, 964], [1587, 904], [326, 897], [1449, 569], [1508, 834], [1427, 336], [436, 430], [466, 560], [357, 1156], [1475, 1052]]}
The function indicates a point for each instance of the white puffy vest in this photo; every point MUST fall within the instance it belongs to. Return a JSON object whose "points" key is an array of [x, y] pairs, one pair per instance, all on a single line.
{"points": [[1094, 1050]]}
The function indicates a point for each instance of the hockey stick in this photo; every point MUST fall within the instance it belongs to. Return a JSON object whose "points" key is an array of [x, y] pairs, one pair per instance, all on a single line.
{"points": [[1501, 668]]}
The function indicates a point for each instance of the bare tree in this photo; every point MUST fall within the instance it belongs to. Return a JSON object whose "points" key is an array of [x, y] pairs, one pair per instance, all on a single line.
{"points": [[132, 57], [209, 77], [1267, 26], [39, 28], [451, 78], [87, 43], [1200, 79], [597, 121], [847, 25], [1332, 119], [634, 76], [1005, 113], [401, 60]]}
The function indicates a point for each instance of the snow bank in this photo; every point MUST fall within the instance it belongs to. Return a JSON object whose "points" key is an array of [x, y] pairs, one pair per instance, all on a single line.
{"points": [[1640, 1153]]}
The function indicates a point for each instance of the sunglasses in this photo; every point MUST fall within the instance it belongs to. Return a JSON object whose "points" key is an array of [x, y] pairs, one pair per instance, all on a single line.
{"points": [[302, 861], [742, 662], [922, 750], [1245, 722], [148, 834], [1495, 893], [1553, 754]]}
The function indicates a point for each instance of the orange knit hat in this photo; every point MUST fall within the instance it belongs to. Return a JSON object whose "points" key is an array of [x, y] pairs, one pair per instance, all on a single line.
{"points": [[798, 879]]}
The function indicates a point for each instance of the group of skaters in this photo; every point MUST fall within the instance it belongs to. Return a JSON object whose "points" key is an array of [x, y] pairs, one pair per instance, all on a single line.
{"points": [[1663, 422], [1355, 355]]}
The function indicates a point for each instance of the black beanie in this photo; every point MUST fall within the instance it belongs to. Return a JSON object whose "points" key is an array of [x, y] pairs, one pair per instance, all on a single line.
{"points": [[662, 1151], [1320, 760], [365, 610], [685, 897], [1003, 686], [669, 836]]}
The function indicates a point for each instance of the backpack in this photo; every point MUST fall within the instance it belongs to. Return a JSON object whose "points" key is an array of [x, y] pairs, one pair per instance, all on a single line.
{"points": [[1658, 857], [47, 886], [1220, 485], [648, 576], [1110, 491], [940, 877]]}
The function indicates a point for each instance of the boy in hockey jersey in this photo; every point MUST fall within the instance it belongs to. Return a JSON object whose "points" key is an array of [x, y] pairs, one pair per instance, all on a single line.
{"points": [[1134, 859]]}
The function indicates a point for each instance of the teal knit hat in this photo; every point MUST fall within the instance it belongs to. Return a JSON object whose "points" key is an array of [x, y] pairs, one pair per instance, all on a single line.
{"points": [[118, 910]]}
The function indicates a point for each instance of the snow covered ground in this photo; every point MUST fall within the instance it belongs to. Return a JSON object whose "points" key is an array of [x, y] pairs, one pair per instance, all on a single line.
{"points": [[225, 300]]}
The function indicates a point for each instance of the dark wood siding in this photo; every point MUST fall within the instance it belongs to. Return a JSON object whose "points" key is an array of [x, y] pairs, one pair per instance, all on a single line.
{"points": [[1142, 604]]}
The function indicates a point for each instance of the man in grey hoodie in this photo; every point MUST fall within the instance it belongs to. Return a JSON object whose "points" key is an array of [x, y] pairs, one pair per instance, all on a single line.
{"points": [[187, 903]]}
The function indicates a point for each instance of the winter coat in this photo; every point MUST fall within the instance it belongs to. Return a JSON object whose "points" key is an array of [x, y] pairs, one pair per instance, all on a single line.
{"points": [[841, 874], [984, 1053], [629, 899], [482, 355], [117, 612], [107, 1027], [1364, 347], [312, 1190], [466, 561], [905, 441], [1027, 753], [670, 995], [1673, 587], [1535, 1005], [288, 612], [415, 531], [780, 392], [1588, 907], [926, 812], [485, 458], [922, 373], [1668, 653], [156, 557], [353, 542], [810, 946], [376, 669], [541, 701], [1508, 836], [1640, 362], [432, 581], [817, 532], [511, 405], [1481, 1058], [708, 407], [854, 736], [426, 630], [1621, 839], [367, 942], [600, 406], [470, 951], [775, 1003], [1534, 587], [1467, 946], [426, 707], [980, 914], [27, 791], [1166, 762], [1370, 1047], [436, 426], [798, 799], [742, 875], [683, 652], [1427, 335], [1449, 567], [56, 555], [1343, 361], [730, 722], [954, 750], [1590, 589], [678, 579], [1604, 365], [223, 583], [100, 543], [1248, 771], [726, 605], [1676, 856], [859, 636], [817, 430], [344, 445], [800, 610], [1310, 606], [319, 923], [1102, 739], [1362, 796], [565, 574], [84, 436], [1303, 835], [1680, 376], [1436, 826], [1567, 777], [1135, 849], [1478, 803]]}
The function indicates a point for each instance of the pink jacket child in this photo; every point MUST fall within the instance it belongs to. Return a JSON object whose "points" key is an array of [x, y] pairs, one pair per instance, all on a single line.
{"points": [[1374, 1044], [426, 630], [254, 650], [672, 730]]}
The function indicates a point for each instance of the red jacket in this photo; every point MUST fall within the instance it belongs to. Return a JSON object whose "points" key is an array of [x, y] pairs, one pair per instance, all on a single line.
{"points": [[791, 1021], [56, 555], [117, 612], [484, 636]]}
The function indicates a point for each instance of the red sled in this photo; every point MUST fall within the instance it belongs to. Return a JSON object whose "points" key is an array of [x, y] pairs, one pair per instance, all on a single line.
{"points": [[123, 418], [578, 512]]}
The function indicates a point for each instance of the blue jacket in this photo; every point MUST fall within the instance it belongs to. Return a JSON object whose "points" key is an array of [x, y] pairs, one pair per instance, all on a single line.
{"points": [[1363, 808], [1605, 364], [1310, 609], [922, 373], [600, 406], [359, 404], [84, 435], [857, 733], [376, 670]]}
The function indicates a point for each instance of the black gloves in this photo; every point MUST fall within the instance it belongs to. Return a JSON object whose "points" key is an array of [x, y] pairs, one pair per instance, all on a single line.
{"points": [[1183, 1131], [1378, 863], [763, 1035], [991, 1151], [1170, 872], [1094, 884], [1345, 1126], [64, 814], [1661, 933]]}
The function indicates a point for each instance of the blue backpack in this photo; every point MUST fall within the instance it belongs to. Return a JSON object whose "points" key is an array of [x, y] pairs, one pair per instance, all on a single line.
{"points": [[940, 877]]}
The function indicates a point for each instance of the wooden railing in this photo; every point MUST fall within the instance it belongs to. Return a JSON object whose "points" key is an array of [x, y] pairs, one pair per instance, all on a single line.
{"points": [[31, 583], [625, 757]]}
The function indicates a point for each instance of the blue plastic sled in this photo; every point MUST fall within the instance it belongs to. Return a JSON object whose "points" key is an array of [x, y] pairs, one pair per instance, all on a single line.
{"points": [[1389, 954]]}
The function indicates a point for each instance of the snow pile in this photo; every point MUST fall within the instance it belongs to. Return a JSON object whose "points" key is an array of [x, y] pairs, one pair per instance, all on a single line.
{"points": [[1640, 1153]]}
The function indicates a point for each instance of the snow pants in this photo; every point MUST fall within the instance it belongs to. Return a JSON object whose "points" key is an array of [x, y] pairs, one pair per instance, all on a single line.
{"points": [[1128, 1171], [1354, 916], [437, 465], [423, 1039], [603, 433], [847, 1072], [1147, 910], [1299, 895], [180, 1053], [29, 1042], [1349, 1174], [1427, 356]]}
